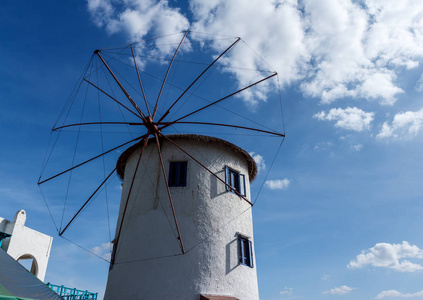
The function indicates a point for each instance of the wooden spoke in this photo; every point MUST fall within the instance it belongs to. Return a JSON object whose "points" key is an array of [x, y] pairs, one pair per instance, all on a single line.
{"points": [[199, 76], [97, 123], [120, 85], [229, 125], [86, 202], [168, 192], [127, 198], [221, 99], [114, 99], [87, 161], [139, 80]]}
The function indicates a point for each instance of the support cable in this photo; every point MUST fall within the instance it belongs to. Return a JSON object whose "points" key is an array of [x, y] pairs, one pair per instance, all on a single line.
{"points": [[198, 77], [118, 106], [104, 164], [139, 80], [167, 73], [74, 156], [120, 85], [221, 99], [114, 99]]}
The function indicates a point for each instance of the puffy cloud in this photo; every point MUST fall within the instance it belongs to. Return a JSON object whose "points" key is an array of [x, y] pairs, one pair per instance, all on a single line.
{"points": [[104, 250], [259, 161], [405, 125], [278, 184], [355, 47], [351, 118], [396, 294], [323, 146], [277, 34], [349, 50], [287, 291], [325, 277], [357, 147], [101, 11], [342, 290], [137, 18], [390, 256], [371, 87]]}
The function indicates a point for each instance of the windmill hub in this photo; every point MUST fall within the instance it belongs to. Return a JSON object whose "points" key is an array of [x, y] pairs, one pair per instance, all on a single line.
{"points": [[151, 126]]}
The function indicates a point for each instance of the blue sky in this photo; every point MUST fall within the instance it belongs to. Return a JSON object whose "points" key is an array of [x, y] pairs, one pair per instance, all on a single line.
{"points": [[341, 218]]}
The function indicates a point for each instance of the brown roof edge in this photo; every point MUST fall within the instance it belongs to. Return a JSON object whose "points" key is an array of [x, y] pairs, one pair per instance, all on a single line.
{"points": [[214, 297], [252, 167]]}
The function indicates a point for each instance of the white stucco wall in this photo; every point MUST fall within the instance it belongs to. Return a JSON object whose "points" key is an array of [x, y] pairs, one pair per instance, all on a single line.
{"points": [[149, 262], [26, 243]]}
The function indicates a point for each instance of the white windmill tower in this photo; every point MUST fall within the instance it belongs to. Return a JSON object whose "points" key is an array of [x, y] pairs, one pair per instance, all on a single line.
{"points": [[148, 263], [184, 229]]}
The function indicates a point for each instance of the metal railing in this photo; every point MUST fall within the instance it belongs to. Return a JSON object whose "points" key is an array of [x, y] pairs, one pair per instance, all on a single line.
{"points": [[72, 294]]}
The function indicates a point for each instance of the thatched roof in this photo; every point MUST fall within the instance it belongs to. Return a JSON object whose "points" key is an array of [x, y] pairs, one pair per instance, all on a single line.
{"points": [[252, 167]]}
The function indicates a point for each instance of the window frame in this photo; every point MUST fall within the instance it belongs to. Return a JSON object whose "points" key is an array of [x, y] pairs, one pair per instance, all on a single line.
{"points": [[176, 165], [236, 180], [245, 251]]}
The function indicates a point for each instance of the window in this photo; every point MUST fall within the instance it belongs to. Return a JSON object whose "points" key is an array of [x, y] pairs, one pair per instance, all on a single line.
{"points": [[178, 173], [245, 247], [235, 180]]}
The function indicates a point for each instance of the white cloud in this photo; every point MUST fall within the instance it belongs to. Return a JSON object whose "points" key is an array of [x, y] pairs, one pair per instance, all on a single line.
{"points": [[405, 125], [351, 118], [287, 291], [342, 290], [104, 250], [137, 18], [351, 50], [259, 161], [325, 277], [354, 49], [278, 184], [101, 11], [323, 146], [390, 256], [357, 147], [277, 34], [396, 294], [371, 87]]}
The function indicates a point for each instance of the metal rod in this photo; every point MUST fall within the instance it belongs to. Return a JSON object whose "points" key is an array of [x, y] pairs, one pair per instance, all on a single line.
{"points": [[91, 159], [167, 73], [199, 76], [168, 192], [129, 194], [220, 179], [120, 85], [112, 97], [221, 99], [139, 80], [86, 202], [228, 125], [97, 123]]}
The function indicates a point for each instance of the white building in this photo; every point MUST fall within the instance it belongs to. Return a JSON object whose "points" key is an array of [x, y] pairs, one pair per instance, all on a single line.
{"points": [[24, 243], [215, 224]]}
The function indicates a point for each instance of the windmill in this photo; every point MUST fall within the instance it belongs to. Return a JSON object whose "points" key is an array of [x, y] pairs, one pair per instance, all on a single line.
{"points": [[154, 168]]}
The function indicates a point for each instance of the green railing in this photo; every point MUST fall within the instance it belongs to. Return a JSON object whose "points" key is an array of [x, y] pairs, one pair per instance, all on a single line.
{"points": [[72, 294]]}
